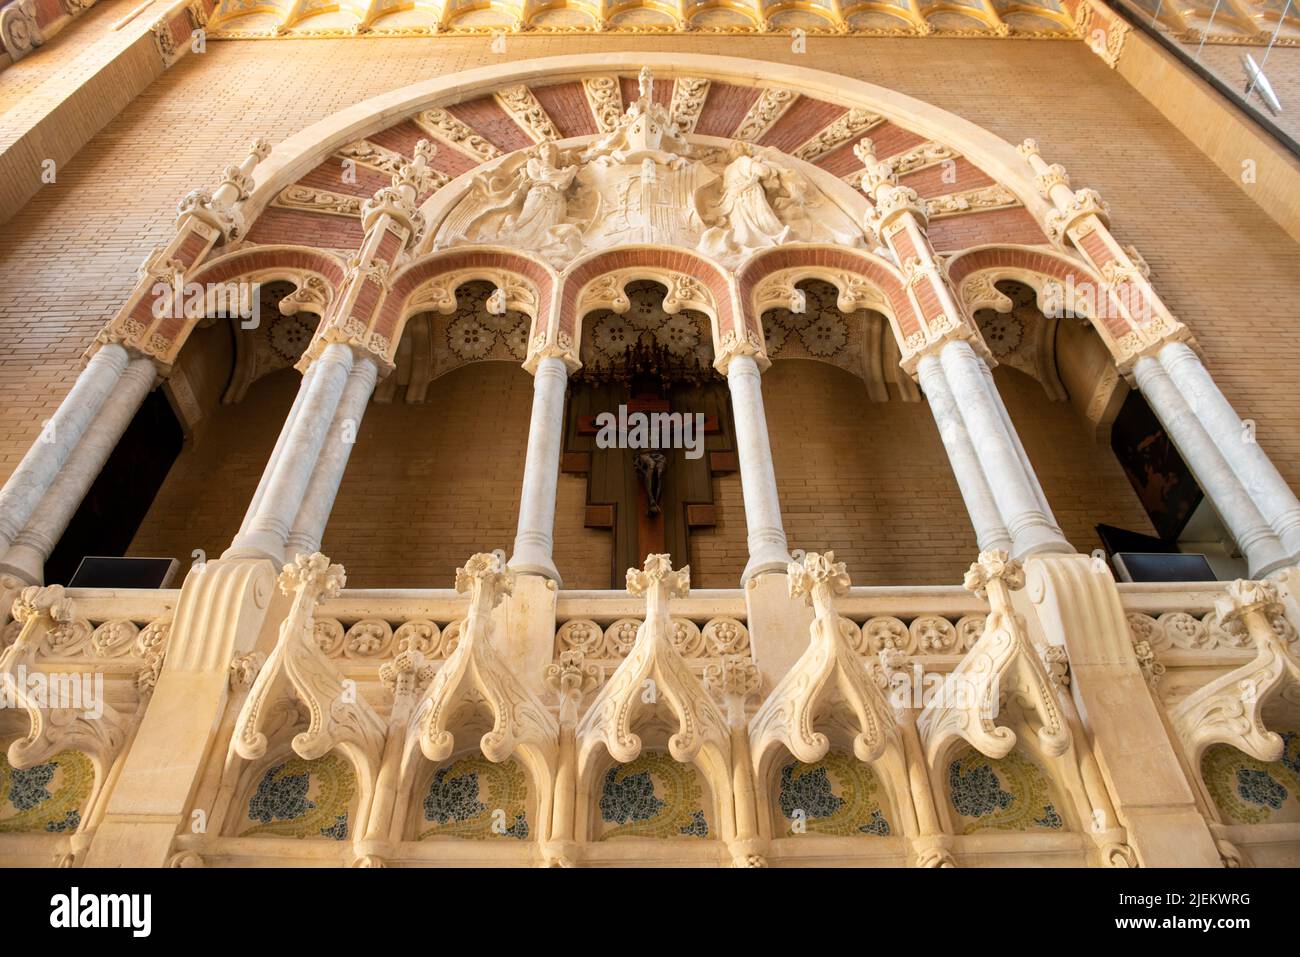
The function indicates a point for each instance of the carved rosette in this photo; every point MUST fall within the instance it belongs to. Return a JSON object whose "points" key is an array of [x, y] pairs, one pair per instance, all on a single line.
{"points": [[828, 676], [1230, 709], [1002, 665], [654, 673], [19, 31]]}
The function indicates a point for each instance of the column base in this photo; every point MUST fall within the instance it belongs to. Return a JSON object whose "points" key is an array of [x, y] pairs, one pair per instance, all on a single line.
{"points": [[1040, 541], [770, 559], [255, 546], [534, 561], [25, 564]]}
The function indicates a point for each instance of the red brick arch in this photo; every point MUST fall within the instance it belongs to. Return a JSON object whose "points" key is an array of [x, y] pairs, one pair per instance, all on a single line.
{"points": [[818, 259], [654, 259], [1045, 263], [476, 262]]}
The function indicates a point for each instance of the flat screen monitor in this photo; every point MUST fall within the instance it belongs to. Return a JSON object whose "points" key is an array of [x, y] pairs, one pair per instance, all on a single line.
{"points": [[99, 571], [1163, 567]]}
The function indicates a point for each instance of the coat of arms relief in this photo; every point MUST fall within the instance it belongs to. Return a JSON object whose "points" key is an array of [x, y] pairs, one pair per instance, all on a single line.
{"points": [[643, 183]]}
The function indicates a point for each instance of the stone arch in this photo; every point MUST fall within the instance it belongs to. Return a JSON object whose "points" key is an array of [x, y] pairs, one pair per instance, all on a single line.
{"points": [[597, 281], [430, 283], [863, 279], [296, 156], [460, 798], [285, 795], [1063, 283]]}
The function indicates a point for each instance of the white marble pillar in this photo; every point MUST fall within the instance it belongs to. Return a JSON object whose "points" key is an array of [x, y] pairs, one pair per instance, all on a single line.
{"points": [[1010, 479], [768, 549], [990, 531], [534, 538], [283, 437], [1253, 468], [291, 468], [1253, 535], [32, 546], [27, 485], [309, 526]]}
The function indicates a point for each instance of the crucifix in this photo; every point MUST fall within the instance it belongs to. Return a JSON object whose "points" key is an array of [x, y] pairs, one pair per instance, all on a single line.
{"points": [[644, 487]]}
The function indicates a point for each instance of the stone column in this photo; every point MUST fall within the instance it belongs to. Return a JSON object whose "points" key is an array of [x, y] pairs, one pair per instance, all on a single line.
{"points": [[289, 472], [279, 446], [1256, 473], [33, 545], [990, 531], [309, 526], [29, 481], [1014, 486], [998, 483], [534, 539], [1263, 550], [768, 550]]}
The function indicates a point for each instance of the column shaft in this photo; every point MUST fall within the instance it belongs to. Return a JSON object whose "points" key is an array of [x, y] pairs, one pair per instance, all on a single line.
{"points": [[292, 467], [990, 532], [1252, 533], [534, 538], [768, 549], [279, 445], [26, 486], [309, 526], [33, 545], [1011, 481], [1253, 468]]}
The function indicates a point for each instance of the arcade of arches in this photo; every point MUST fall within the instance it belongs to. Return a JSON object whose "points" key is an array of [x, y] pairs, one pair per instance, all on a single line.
{"points": [[433, 432]]}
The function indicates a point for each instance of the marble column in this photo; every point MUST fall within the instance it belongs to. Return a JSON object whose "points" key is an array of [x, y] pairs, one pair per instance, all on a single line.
{"points": [[1256, 473], [29, 481], [32, 546], [1252, 533], [990, 531], [534, 539], [1009, 477], [768, 549], [309, 526], [279, 446], [290, 469]]}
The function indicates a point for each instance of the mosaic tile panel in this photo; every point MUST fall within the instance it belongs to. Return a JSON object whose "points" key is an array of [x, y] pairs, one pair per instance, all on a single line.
{"points": [[1011, 794], [653, 796], [48, 797], [473, 798], [1248, 791], [838, 795], [302, 799]]}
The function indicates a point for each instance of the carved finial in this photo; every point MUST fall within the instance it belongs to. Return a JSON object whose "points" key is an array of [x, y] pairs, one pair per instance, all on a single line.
{"points": [[1028, 149], [571, 678], [407, 675], [485, 575], [659, 569], [260, 149], [312, 573], [994, 566], [818, 578], [426, 150], [37, 600], [1245, 597]]}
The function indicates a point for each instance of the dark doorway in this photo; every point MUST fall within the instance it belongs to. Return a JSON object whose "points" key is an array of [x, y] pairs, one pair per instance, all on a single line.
{"points": [[120, 497]]}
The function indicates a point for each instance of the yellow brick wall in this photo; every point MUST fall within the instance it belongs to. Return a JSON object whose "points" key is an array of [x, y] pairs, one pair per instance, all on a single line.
{"points": [[69, 257]]}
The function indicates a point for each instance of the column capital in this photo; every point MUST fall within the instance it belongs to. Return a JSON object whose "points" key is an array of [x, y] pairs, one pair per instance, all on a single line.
{"points": [[398, 202]]}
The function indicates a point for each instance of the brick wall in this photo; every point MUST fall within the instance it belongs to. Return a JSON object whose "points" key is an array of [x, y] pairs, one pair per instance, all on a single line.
{"points": [[68, 258], [872, 481]]}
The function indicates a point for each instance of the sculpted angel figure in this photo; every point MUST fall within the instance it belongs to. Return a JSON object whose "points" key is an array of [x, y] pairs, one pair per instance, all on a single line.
{"points": [[748, 220], [810, 215], [526, 207]]}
